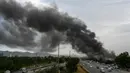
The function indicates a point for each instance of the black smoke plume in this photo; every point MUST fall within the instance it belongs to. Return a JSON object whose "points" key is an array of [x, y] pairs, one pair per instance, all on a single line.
{"points": [[54, 24], [13, 35], [11, 9]]}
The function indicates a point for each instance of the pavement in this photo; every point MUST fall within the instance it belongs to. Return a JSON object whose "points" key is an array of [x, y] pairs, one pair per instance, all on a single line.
{"points": [[92, 67]]}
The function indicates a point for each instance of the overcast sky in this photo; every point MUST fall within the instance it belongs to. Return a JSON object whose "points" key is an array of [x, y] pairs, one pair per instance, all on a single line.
{"points": [[109, 19]]}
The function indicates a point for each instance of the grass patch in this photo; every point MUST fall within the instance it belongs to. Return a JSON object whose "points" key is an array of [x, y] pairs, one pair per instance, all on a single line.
{"points": [[80, 69]]}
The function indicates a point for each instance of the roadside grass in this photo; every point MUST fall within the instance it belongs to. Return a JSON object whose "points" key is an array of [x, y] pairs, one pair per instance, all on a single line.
{"points": [[80, 69]]}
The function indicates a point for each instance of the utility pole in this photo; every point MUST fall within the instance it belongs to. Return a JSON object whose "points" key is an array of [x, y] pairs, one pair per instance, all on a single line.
{"points": [[69, 54], [58, 57], [10, 55]]}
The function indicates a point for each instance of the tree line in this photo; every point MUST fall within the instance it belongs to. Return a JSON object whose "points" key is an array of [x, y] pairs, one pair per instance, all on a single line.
{"points": [[15, 63]]}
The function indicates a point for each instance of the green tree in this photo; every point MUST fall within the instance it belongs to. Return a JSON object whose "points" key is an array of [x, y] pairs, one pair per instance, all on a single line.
{"points": [[123, 60], [72, 65]]}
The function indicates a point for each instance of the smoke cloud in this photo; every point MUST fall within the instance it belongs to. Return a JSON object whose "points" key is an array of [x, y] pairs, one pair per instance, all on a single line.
{"points": [[13, 35], [58, 27], [11, 9]]}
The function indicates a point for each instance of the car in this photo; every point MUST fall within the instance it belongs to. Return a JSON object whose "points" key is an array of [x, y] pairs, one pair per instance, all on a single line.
{"points": [[106, 67], [24, 70], [109, 69], [116, 67], [102, 70], [128, 69], [97, 67], [7, 71], [91, 66]]}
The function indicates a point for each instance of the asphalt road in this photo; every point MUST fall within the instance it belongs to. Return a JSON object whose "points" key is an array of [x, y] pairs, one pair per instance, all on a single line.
{"points": [[40, 69], [29, 71], [92, 67]]}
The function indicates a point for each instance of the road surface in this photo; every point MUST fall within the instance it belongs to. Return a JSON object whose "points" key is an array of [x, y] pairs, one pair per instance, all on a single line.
{"points": [[28, 71], [92, 67], [33, 70]]}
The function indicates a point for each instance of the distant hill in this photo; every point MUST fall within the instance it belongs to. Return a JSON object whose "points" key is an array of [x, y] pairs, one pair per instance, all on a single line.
{"points": [[8, 53]]}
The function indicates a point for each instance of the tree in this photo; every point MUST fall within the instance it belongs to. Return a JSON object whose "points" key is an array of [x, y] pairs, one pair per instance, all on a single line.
{"points": [[123, 60], [72, 65]]}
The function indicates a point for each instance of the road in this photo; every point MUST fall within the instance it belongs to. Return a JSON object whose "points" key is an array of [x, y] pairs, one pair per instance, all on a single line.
{"points": [[92, 67], [28, 71], [33, 70]]}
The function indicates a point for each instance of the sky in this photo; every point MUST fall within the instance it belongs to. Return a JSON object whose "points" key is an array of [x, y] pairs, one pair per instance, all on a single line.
{"points": [[109, 19]]}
